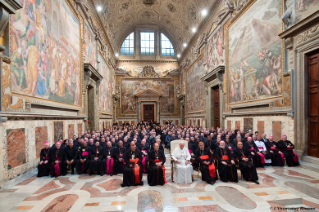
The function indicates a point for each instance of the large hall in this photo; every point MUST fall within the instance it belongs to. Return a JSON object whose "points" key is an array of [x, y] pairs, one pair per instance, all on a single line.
{"points": [[159, 105]]}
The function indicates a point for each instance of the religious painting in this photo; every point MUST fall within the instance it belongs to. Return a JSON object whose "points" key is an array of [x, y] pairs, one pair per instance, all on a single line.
{"points": [[215, 50], [304, 8], [254, 52], [58, 131], [45, 51], [131, 87], [105, 88], [89, 46], [16, 147], [195, 98]]}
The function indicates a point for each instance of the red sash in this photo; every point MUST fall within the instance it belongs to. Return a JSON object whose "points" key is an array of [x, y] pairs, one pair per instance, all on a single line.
{"points": [[211, 167], [85, 153], [46, 158], [252, 148], [225, 157], [163, 167], [136, 170], [243, 157], [190, 151]]}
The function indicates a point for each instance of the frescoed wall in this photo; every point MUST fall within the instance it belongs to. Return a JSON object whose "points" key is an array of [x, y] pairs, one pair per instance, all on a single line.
{"points": [[131, 87], [254, 53], [195, 90], [215, 50], [45, 51], [304, 8], [90, 48], [105, 89]]}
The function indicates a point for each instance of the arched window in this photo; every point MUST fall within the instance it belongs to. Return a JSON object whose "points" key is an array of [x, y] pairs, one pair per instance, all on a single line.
{"points": [[166, 46], [128, 45]]}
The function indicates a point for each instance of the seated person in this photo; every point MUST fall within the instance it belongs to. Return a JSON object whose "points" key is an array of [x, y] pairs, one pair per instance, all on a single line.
{"points": [[251, 146], [108, 159], [277, 157], [206, 160], [247, 168], [57, 159], [44, 165], [132, 173], [184, 169], [96, 156], [82, 163], [144, 150], [286, 147], [226, 165], [156, 172], [71, 154], [118, 158], [263, 151]]}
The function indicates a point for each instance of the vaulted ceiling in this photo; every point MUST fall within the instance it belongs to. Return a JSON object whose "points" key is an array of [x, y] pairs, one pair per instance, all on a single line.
{"points": [[175, 18]]}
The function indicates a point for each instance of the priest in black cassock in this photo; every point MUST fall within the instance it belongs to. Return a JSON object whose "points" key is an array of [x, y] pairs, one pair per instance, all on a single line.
{"points": [[44, 165], [108, 159], [156, 172], [82, 163], [206, 163], [57, 157], [144, 150], [286, 147], [96, 155], [132, 173], [277, 157], [118, 158], [247, 168], [71, 154], [226, 165], [252, 147]]}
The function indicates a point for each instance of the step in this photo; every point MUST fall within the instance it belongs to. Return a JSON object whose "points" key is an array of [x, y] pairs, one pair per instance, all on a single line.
{"points": [[309, 166], [310, 159]]}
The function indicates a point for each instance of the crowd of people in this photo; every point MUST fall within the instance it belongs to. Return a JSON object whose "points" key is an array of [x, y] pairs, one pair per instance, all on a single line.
{"points": [[136, 149]]}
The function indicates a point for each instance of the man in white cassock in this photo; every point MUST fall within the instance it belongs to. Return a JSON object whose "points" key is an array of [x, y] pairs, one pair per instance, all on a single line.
{"points": [[184, 169]]}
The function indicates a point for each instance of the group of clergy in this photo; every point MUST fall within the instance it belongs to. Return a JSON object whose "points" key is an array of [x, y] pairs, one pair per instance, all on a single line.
{"points": [[134, 150]]}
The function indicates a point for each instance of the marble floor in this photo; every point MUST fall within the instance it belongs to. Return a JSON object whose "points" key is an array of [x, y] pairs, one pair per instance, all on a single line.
{"points": [[279, 188]]}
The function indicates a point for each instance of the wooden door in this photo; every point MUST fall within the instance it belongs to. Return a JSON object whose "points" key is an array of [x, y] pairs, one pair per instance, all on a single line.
{"points": [[216, 107], [313, 102], [148, 111]]}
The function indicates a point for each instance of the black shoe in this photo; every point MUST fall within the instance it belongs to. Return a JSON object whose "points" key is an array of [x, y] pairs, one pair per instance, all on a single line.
{"points": [[101, 174], [111, 174], [256, 182], [56, 176], [72, 172], [90, 173]]}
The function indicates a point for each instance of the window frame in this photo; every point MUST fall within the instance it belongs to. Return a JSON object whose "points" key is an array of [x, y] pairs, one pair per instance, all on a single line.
{"points": [[161, 46], [149, 47], [129, 48]]}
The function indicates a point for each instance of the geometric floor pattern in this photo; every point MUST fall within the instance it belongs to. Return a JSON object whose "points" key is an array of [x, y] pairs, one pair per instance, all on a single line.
{"points": [[279, 188]]}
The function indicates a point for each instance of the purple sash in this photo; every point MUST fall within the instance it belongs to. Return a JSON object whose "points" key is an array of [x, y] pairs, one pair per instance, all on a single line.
{"points": [[109, 165], [144, 161]]}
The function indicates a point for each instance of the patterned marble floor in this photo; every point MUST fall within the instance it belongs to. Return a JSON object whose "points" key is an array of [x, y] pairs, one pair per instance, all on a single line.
{"points": [[279, 187]]}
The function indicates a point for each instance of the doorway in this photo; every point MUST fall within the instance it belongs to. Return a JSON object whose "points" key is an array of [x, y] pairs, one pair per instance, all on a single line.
{"points": [[215, 107], [313, 104], [148, 112]]}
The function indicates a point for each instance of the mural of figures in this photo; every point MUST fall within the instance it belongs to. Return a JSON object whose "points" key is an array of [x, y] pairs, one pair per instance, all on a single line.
{"points": [[131, 87], [105, 88], [90, 50], [196, 100], [305, 8], [215, 50], [255, 64], [45, 50]]}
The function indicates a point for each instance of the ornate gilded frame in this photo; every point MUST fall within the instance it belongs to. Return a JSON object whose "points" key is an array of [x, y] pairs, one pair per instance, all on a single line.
{"points": [[23, 102], [111, 91], [186, 96], [227, 26]]}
